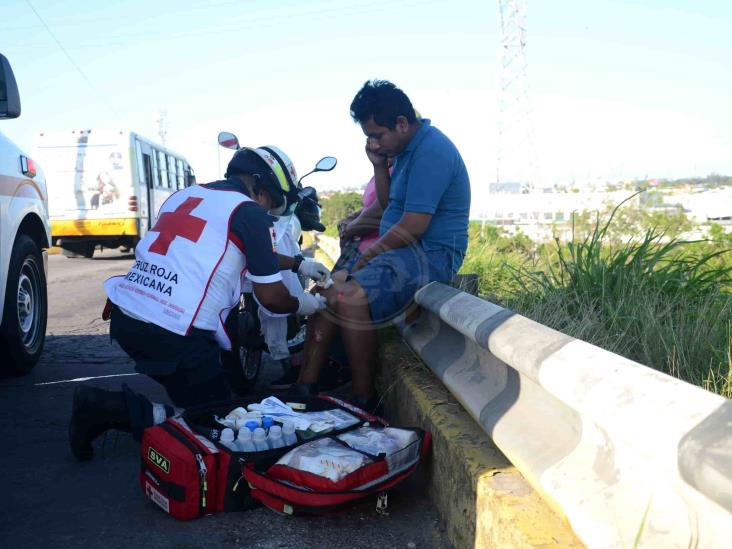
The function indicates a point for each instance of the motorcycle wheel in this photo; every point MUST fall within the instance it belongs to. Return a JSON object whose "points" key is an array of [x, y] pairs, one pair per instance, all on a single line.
{"points": [[296, 343], [242, 367]]}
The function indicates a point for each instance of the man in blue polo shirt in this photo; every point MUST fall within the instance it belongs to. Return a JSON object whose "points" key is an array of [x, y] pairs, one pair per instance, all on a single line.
{"points": [[422, 237]]}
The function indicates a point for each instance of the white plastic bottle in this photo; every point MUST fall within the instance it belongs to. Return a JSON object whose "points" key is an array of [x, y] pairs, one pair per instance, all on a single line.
{"points": [[288, 434], [259, 437], [227, 439], [244, 442], [274, 439]]}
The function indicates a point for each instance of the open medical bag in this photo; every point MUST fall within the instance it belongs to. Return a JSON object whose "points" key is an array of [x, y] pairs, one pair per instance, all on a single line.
{"points": [[324, 474], [188, 475]]}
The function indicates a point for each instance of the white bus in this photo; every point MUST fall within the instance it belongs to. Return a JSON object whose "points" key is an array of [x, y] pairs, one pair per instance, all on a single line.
{"points": [[105, 187]]}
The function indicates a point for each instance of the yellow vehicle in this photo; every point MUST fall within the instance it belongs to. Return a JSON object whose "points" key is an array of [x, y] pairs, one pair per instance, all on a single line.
{"points": [[105, 187]]}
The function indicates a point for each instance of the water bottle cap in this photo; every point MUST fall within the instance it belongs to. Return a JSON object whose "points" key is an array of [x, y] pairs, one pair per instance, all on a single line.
{"points": [[275, 430], [251, 425], [244, 434], [259, 433], [267, 422], [288, 428], [227, 435]]}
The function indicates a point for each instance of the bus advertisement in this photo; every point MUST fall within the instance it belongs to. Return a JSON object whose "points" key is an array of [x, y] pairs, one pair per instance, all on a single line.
{"points": [[105, 187]]}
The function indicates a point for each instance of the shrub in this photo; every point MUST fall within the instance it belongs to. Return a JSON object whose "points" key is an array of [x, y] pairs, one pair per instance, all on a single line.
{"points": [[660, 301]]}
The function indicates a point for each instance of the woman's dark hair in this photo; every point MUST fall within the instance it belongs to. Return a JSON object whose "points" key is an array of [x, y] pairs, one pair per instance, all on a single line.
{"points": [[383, 101]]}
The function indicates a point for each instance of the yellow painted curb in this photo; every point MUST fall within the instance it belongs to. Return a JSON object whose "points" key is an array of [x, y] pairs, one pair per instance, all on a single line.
{"points": [[482, 499], [53, 250]]}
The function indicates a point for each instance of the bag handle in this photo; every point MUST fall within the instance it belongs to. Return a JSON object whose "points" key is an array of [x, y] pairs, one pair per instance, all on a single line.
{"points": [[363, 414]]}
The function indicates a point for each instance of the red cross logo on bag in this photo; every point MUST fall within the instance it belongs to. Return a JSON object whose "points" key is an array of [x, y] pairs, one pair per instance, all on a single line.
{"points": [[179, 222]]}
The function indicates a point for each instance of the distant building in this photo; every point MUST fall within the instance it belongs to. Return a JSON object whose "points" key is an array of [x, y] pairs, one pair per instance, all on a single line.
{"points": [[505, 188], [537, 214]]}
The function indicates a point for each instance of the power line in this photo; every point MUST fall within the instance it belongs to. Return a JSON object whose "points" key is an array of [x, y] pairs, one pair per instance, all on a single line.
{"points": [[71, 60]]}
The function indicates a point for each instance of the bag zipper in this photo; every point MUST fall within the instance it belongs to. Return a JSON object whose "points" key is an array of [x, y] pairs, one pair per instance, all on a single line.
{"points": [[202, 473], [202, 470]]}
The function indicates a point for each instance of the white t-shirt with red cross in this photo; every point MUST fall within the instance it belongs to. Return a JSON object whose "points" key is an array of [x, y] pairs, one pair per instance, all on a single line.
{"points": [[189, 267]]}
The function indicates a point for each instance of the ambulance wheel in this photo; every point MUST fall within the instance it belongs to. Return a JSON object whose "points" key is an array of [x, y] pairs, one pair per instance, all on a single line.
{"points": [[242, 367], [26, 308]]}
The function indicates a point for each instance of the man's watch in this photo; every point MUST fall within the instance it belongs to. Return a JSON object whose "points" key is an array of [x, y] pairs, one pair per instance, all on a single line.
{"points": [[297, 260]]}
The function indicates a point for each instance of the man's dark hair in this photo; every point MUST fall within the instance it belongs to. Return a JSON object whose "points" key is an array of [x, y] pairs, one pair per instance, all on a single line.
{"points": [[383, 101]]}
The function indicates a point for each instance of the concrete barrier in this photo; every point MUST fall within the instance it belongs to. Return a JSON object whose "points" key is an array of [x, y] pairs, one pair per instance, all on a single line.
{"points": [[483, 501], [329, 246], [630, 456]]}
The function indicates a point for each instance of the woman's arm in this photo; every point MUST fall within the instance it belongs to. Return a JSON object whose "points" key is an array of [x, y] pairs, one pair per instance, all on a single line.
{"points": [[367, 221]]}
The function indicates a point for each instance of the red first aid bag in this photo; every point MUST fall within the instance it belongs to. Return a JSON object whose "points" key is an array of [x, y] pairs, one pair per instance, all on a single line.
{"points": [[324, 474], [188, 474], [181, 470]]}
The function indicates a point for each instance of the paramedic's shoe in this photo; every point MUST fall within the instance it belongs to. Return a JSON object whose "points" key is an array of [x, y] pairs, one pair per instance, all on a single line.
{"points": [[93, 412]]}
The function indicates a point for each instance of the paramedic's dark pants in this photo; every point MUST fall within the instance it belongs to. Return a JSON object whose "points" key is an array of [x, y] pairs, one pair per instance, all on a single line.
{"points": [[187, 366]]}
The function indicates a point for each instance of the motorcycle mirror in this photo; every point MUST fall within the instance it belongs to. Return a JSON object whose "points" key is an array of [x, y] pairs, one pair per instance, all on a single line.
{"points": [[229, 141], [326, 164]]}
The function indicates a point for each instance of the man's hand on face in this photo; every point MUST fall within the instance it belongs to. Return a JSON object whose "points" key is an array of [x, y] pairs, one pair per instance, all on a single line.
{"points": [[315, 270], [376, 159]]}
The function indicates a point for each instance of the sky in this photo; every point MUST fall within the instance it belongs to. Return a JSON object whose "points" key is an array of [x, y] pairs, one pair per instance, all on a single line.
{"points": [[617, 89]]}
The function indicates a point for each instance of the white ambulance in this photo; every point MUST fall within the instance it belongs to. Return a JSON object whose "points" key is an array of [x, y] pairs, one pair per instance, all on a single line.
{"points": [[24, 236]]}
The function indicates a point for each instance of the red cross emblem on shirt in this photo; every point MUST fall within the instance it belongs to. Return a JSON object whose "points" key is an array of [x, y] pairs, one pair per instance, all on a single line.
{"points": [[179, 222]]}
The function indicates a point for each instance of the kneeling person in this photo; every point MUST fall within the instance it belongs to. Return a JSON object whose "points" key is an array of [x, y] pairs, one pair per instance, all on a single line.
{"points": [[168, 312]]}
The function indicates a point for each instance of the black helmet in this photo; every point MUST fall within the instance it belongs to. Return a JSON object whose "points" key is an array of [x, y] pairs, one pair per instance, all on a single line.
{"points": [[308, 210], [273, 168]]}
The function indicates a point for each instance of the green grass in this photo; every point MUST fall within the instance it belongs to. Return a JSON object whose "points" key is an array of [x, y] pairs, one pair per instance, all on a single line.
{"points": [[660, 301]]}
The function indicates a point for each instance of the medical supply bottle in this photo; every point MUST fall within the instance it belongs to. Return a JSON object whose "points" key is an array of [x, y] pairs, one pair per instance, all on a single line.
{"points": [[288, 434], [259, 437], [244, 442], [274, 438], [227, 439]]}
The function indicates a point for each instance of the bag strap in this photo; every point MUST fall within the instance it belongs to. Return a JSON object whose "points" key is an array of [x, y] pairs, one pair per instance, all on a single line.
{"points": [[175, 491], [372, 457]]}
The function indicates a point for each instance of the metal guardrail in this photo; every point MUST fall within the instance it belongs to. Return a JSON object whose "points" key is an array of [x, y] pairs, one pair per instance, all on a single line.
{"points": [[624, 452], [328, 245]]}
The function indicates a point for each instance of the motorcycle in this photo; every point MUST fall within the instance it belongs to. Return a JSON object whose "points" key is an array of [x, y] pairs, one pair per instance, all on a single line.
{"points": [[244, 362]]}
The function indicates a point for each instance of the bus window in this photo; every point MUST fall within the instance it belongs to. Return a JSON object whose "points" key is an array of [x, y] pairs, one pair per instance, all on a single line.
{"points": [[180, 173], [155, 174], [171, 172], [162, 169], [140, 163]]}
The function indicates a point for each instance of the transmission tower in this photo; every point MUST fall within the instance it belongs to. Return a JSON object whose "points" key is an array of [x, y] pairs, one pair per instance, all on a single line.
{"points": [[515, 153]]}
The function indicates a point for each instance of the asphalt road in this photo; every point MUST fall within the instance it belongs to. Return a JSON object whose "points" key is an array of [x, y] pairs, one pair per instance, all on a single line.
{"points": [[47, 499]]}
